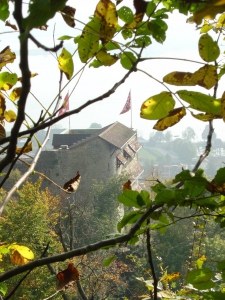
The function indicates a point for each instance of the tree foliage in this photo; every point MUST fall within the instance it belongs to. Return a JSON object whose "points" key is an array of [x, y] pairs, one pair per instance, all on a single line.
{"points": [[116, 33]]}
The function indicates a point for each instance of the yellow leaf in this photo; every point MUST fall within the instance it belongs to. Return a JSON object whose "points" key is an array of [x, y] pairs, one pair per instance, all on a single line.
{"points": [[171, 277], [106, 59], [20, 255], [106, 12], [205, 117], [206, 76], [211, 9], [27, 149], [10, 116], [157, 106], [31, 76], [66, 63], [6, 56], [223, 106], [179, 78], [2, 106], [137, 18], [173, 118], [15, 94], [221, 21]]}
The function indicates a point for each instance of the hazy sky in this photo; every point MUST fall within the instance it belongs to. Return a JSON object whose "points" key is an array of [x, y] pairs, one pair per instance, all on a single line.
{"points": [[182, 42]]}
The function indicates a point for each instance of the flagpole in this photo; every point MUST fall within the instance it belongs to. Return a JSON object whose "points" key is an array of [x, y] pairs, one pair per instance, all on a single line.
{"points": [[69, 106], [130, 109]]}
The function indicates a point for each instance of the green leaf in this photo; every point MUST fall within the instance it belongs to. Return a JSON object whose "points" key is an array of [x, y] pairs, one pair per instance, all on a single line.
{"points": [[143, 28], [199, 276], [4, 10], [40, 11], [158, 29], [106, 59], [182, 176], [66, 63], [163, 219], [213, 296], [159, 227], [65, 37], [160, 13], [127, 33], [157, 106], [95, 64], [205, 28], [130, 218], [208, 49], [133, 241], [89, 40], [158, 187], [107, 262], [207, 202], [201, 102], [221, 265], [146, 197], [150, 8], [7, 78], [165, 196], [111, 46], [220, 176], [3, 288], [126, 14], [204, 285], [196, 187], [127, 60], [142, 41], [129, 198]]}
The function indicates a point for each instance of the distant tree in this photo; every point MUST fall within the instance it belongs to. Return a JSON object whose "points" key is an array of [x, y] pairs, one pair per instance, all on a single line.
{"points": [[168, 136], [206, 132], [95, 125], [188, 133], [185, 149]]}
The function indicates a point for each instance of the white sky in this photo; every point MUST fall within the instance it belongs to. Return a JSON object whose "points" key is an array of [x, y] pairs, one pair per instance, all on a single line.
{"points": [[182, 42]]}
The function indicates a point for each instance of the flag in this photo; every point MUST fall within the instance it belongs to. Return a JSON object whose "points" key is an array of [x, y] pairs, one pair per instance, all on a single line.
{"points": [[127, 105], [65, 105]]}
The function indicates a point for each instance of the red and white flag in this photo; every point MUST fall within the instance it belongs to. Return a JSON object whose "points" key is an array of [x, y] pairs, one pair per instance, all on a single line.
{"points": [[127, 105], [65, 105]]}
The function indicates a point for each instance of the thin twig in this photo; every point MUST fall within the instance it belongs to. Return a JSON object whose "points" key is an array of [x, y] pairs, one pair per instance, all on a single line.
{"points": [[39, 45], [150, 260]]}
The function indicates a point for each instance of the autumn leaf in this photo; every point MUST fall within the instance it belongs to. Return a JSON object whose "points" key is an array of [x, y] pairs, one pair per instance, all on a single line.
{"points": [[211, 9], [13, 26], [171, 119], [171, 277], [106, 59], [66, 276], [68, 14], [205, 117], [15, 94], [208, 49], [31, 76], [20, 255], [73, 184], [66, 63], [88, 42], [157, 106], [215, 187], [6, 56], [179, 78], [206, 76], [127, 186], [10, 116], [27, 149], [2, 106], [7, 80], [106, 12]]}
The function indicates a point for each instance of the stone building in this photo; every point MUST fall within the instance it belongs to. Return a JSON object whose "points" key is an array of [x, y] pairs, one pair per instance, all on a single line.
{"points": [[95, 153]]}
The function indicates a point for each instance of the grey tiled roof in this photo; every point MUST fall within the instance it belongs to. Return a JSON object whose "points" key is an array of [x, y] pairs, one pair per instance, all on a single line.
{"points": [[117, 134]]}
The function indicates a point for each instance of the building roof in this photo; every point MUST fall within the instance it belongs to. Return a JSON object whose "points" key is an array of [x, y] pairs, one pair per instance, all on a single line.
{"points": [[117, 134]]}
